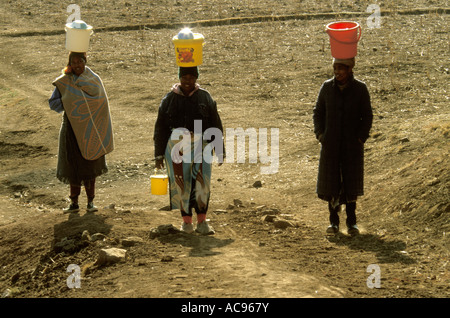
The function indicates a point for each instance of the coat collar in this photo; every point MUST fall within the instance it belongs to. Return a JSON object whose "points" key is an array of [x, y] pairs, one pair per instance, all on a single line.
{"points": [[176, 88], [350, 82]]}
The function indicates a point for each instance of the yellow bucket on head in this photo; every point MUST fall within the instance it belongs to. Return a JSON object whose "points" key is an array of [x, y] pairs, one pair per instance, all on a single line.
{"points": [[189, 52], [158, 184]]}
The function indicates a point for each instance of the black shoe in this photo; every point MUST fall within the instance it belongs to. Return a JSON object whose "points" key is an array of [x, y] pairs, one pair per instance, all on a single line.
{"points": [[352, 230], [91, 207], [333, 229], [73, 207]]}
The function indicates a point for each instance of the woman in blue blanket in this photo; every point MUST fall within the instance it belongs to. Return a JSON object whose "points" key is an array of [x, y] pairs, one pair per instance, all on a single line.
{"points": [[187, 115], [80, 95]]}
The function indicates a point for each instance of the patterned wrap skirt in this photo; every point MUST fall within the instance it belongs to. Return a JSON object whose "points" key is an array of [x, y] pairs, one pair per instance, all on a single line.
{"points": [[189, 172]]}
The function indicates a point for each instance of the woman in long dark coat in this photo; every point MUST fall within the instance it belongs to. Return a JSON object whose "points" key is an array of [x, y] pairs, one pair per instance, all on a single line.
{"points": [[342, 121]]}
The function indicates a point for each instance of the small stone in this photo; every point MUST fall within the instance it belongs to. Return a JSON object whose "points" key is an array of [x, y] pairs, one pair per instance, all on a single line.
{"points": [[405, 139], [11, 292], [269, 218], [164, 229], [85, 236], [167, 229], [110, 256], [282, 224], [154, 233], [167, 258], [98, 237], [15, 278], [131, 241], [287, 216], [269, 211], [257, 184]]}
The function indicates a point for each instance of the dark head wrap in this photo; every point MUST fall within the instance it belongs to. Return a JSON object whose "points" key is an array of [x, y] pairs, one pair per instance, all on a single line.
{"points": [[188, 70], [348, 62]]}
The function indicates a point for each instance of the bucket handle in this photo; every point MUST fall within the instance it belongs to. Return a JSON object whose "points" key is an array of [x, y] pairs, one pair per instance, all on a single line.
{"points": [[92, 31], [162, 171], [343, 42]]}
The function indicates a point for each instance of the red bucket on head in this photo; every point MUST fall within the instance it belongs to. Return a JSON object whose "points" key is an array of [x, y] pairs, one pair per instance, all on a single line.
{"points": [[344, 37]]}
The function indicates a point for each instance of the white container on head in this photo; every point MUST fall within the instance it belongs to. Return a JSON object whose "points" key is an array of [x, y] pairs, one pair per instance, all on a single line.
{"points": [[78, 34]]}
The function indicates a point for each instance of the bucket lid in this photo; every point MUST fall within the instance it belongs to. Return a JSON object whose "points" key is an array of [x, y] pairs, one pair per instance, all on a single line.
{"points": [[183, 36], [159, 176], [79, 24], [186, 34]]}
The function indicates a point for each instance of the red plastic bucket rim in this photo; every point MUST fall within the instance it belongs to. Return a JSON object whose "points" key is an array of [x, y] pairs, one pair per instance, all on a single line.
{"points": [[356, 25], [330, 31]]}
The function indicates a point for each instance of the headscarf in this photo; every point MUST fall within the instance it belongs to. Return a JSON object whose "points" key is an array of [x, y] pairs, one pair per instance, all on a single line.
{"points": [[348, 62], [188, 70]]}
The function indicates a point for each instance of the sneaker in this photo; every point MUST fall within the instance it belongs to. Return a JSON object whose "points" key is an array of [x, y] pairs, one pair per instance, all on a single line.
{"points": [[333, 229], [187, 228], [353, 230], [204, 228], [91, 207], [72, 208]]}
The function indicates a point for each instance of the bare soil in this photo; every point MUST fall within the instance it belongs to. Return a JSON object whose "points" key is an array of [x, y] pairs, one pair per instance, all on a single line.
{"points": [[263, 74]]}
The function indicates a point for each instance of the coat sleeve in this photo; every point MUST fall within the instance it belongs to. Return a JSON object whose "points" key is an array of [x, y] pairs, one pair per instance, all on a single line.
{"points": [[319, 113], [366, 115], [55, 101], [162, 129], [217, 123], [215, 117]]}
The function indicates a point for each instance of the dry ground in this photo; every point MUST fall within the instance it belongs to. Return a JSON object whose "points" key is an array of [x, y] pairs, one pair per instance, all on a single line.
{"points": [[263, 75]]}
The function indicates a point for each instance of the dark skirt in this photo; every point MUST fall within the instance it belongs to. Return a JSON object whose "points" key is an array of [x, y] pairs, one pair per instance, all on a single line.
{"points": [[72, 168]]}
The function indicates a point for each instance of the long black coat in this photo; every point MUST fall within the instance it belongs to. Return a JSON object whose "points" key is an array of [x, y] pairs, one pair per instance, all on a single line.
{"points": [[344, 119]]}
